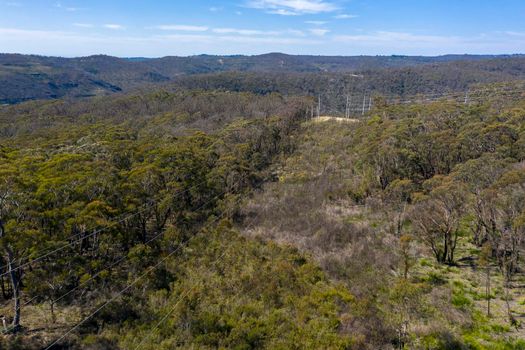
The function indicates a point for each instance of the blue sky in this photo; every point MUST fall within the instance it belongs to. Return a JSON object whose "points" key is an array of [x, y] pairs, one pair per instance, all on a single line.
{"points": [[320, 27]]}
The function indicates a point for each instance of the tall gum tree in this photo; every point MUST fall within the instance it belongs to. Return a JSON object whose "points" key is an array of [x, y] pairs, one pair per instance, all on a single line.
{"points": [[13, 231]]}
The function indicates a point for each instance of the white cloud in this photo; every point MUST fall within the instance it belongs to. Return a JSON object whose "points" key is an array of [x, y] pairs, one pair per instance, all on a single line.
{"points": [[283, 12], [296, 32], [226, 31], [182, 28], [113, 26], [211, 39], [83, 25], [266, 40], [292, 7], [83, 43], [400, 38], [316, 23], [215, 9], [244, 31], [391, 42], [319, 31], [186, 38], [516, 34], [68, 9], [345, 16], [238, 13]]}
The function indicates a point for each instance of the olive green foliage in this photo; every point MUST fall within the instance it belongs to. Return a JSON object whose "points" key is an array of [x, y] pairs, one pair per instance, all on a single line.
{"points": [[265, 230], [240, 294], [397, 207], [29, 77], [138, 179]]}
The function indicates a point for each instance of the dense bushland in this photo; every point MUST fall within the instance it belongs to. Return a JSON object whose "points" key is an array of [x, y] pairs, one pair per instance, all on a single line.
{"points": [[412, 209], [27, 77], [230, 220], [153, 191]]}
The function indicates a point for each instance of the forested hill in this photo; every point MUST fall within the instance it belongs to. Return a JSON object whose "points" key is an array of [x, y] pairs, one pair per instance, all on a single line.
{"points": [[231, 220], [24, 77], [297, 63]]}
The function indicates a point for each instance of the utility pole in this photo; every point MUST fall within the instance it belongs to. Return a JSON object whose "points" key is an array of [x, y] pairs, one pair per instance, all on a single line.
{"points": [[346, 107], [466, 97], [319, 107], [370, 103], [364, 104], [347, 113]]}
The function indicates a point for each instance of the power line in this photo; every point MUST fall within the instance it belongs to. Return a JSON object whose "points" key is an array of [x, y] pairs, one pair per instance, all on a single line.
{"points": [[100, 271], [53, 251], [126, 256], [85, 282], [112, 299], [73, 242], [473, 95], [450, 93], [460, 93], [114, 223], [75, 235], [41, 257], [183, 295], [181, 245], [455, 98]]}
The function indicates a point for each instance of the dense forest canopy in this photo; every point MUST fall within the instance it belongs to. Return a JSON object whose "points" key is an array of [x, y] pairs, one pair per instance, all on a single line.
{"points": [[25, 77], [215, 212]]}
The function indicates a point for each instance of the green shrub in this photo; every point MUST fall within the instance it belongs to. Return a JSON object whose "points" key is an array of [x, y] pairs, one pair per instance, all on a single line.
{"points": [[460, 300]]}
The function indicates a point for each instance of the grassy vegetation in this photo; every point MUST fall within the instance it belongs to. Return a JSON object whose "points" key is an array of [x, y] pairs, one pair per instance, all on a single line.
{"points": [[350, 196], [276, 232]]}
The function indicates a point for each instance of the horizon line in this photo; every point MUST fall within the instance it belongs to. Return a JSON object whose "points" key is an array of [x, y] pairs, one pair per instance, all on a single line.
{"points": [[265, 54]]}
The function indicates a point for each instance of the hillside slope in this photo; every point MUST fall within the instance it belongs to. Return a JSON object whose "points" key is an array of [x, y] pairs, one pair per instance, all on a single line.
{"points": [[25, 78], [374, 203], [213, 219]]}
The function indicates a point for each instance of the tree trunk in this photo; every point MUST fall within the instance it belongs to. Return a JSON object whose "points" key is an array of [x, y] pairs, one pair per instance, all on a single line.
{"points": [[53, 316], [507, 297], [144, 231], [15, 282], [444, 255], [452, 248], [488, 290], [400, 219], [5, 293]]}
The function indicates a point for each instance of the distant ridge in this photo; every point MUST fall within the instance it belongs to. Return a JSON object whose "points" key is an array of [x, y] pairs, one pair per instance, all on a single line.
{"points": [[28, 77]]}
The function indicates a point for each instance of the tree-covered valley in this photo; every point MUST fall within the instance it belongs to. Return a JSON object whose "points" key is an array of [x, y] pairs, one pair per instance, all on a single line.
{"points": [[215, 213], [31, 77]]}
